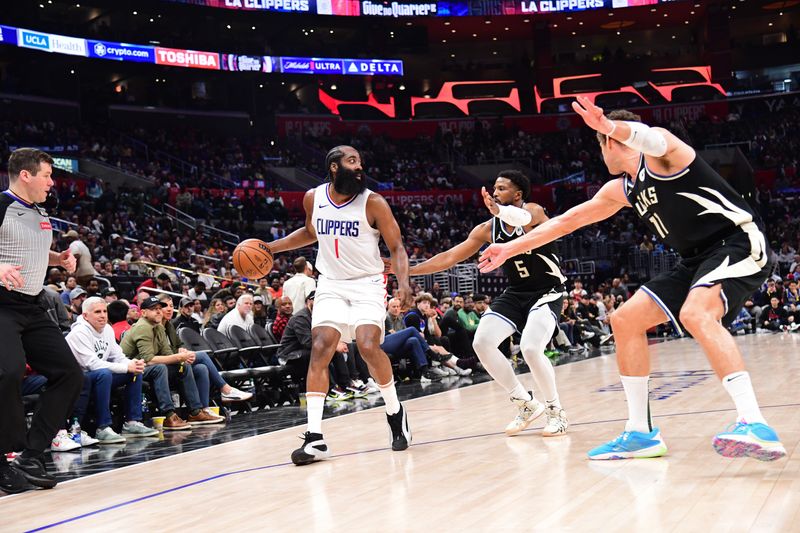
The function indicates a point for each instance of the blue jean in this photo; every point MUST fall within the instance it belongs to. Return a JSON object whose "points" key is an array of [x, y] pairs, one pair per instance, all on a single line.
{"points": [[158, 377], [201, 380], [184, 376], [205, 371], [566, 327], [33, 384], [407, 342], [99, 384]]}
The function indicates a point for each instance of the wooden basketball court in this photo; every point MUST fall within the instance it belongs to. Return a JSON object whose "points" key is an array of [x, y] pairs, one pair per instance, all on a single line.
{"points": [[463, 473]]}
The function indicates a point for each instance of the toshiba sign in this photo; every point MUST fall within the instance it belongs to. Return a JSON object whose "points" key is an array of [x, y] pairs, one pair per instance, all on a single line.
{"points": [[187, 58]]}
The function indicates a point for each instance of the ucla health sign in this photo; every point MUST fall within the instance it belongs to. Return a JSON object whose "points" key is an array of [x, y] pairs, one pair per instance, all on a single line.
{"points": [[67, 45], [121, 51], [33, 39], [48, 42]]}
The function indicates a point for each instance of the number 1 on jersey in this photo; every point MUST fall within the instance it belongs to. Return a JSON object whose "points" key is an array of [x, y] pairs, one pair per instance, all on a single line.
{"points": [[336, 247]]}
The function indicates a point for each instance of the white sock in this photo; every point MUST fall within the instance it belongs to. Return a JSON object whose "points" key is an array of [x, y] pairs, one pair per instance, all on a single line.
{"points": [[740, 388], [519, 393], [389, 394], [637, 394], [555, 402], [315, 403]]}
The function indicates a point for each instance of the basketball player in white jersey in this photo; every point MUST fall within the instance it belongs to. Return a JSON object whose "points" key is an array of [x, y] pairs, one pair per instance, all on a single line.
{"points": [[348, 220]]}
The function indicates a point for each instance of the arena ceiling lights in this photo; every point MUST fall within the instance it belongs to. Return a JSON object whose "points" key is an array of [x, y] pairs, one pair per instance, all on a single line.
{"points": [[419, 8], [173, 57]]}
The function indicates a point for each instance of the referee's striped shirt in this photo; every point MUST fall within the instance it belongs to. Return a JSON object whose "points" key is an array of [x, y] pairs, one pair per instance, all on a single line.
{"points": [[25, 239]]}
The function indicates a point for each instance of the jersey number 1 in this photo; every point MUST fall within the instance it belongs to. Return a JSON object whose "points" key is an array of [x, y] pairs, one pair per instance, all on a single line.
{"points": [[336, 247]]}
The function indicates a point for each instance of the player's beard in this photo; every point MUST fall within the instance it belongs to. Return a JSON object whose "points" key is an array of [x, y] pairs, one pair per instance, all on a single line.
{"points": [[347, 183]]}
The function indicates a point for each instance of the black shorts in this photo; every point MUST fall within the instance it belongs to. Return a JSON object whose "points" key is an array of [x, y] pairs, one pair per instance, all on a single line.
{"points": [[733, 264], [514, 306]]}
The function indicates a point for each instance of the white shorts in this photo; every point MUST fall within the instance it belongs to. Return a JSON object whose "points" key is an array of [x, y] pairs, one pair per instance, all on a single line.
{"points": [[346, 304]]}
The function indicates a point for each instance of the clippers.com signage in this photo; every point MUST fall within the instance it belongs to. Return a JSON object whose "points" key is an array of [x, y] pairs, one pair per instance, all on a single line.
{"points": [[187, 58]]}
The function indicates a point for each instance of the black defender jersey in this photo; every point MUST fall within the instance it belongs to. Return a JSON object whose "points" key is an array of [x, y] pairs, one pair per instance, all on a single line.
{"points": [[692, 210], [529, 271]]}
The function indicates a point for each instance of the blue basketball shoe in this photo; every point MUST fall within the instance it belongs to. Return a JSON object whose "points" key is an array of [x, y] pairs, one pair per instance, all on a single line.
{"points": [[758, 441], [631, 445]]}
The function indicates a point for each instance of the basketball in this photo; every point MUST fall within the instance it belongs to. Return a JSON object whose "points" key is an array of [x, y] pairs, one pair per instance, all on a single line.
{"points": [[252, 258]]}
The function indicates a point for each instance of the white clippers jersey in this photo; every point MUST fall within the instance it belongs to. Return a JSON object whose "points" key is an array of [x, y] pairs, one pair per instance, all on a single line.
{"points": [[348, 245]]}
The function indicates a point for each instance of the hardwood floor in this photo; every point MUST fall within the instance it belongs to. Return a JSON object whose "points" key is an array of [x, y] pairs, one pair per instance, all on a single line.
{"points": [[463, 473]]}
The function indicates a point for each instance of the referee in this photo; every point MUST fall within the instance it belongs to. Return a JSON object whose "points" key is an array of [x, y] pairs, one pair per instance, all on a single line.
{"points": [[26, 331]]}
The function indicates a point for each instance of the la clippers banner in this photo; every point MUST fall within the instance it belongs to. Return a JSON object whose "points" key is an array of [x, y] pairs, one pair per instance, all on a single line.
{"points": [[407, 8]]}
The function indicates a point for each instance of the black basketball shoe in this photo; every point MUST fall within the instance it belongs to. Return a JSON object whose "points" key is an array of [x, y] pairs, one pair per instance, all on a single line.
{"points": [[34, 471], [313, 449], [401, 435], [11, 480]]}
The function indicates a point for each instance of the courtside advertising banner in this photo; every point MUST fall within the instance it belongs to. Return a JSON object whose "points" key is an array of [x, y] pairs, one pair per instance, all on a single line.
{"points": [[241, 63], [177, 57], [121, 51], [433, 8]]}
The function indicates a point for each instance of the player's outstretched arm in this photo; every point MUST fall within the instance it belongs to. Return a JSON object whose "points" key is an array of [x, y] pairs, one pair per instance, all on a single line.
{"points": [[380, 214], [664, 151], [480, 235], [300, 237], [608, 200]]}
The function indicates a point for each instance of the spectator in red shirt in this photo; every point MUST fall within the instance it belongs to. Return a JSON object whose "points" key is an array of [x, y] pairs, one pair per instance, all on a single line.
{"points": [[118, 318], [162, 281], [285, 310]]}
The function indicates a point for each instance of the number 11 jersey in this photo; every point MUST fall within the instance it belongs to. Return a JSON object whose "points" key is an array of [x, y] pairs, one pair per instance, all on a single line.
{"points": [[692, 210]]}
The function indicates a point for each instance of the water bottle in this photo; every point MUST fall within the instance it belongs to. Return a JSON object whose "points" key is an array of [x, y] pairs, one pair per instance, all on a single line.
{"points": [[75, 430]]}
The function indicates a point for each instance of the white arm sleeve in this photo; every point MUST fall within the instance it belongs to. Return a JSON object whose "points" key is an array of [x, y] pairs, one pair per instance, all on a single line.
{"points": [[646, 140], [514, 216]]}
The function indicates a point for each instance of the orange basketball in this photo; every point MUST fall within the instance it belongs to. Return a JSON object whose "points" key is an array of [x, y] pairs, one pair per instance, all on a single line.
{"points": [[252, 259]]}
